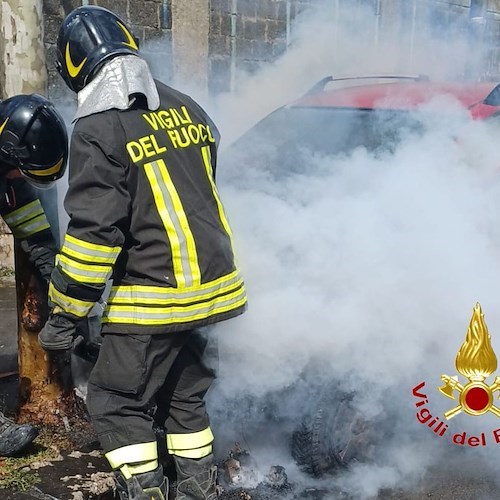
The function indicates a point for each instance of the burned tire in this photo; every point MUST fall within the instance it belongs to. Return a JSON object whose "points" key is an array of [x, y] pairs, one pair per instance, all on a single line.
{"points": [[332, 436]]}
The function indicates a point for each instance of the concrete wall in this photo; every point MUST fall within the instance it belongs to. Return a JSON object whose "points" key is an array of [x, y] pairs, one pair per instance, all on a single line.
{"points": [[190, 40]]}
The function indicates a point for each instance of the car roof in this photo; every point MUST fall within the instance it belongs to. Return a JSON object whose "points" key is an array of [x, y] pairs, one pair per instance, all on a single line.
{"points": [[481, 99]]}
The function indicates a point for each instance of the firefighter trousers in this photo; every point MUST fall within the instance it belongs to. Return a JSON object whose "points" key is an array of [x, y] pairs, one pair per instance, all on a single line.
{"points": [[135, 373]]}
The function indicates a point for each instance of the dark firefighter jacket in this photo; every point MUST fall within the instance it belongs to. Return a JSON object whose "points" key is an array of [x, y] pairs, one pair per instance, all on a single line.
{"points": [[144, 209], [21, 209]]}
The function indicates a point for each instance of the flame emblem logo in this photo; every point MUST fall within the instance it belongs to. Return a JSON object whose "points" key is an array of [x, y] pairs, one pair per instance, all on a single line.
{"points": [[475, 361]]}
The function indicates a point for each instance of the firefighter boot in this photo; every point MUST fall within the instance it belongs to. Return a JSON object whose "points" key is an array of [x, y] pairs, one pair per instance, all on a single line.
{"points": [[146, 486], [14, 438], [196, 479]]}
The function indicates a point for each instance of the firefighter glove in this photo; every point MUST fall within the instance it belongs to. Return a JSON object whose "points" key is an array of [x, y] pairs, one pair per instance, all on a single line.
{"points": [[59, 333]]}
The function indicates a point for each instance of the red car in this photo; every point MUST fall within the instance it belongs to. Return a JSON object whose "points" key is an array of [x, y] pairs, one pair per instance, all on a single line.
{"points": [[407, 94], [340, 114]]}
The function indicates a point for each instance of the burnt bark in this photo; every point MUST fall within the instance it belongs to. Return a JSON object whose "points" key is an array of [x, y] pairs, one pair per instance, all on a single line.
{"points": [[46, 395]]}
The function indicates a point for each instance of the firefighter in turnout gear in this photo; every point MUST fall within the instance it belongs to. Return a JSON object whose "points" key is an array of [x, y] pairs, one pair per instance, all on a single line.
{"points": [[144, 212], [33, 150]]}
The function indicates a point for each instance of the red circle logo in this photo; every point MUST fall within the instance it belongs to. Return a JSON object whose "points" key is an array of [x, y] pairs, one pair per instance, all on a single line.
{"points": [[477, 398]]}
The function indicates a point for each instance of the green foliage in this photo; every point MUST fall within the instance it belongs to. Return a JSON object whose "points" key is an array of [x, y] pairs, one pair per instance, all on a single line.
{"points": [[19, 479], [16, 472]]}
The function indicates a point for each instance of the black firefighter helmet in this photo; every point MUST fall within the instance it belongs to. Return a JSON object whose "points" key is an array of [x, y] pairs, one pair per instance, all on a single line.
{"points": [[33, 138], [89, 36]]}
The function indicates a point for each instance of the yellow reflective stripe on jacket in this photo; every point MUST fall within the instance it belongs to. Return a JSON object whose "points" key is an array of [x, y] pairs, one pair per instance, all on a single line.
{"points": [[27, 220], [207, 161], [89, 252], [84, 273], [143, 294], [143, 315], [24, 213], [192, 445], [132, 454], [71, 305], [39, 223], [168, 203]]}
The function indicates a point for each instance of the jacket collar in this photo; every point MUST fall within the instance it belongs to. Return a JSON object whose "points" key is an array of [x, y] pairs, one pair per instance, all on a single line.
{"points": [[114, 85]]}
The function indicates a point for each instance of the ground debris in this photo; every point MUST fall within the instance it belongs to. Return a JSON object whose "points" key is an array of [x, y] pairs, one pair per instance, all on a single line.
{"points": [[277, 478], [39, 464], [97, 484], [77, 475], [239, 480], [237, 494], [238, 468]]}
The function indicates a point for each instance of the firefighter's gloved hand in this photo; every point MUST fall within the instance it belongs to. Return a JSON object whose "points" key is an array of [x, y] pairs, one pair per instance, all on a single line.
{"points": [[59, 333]]}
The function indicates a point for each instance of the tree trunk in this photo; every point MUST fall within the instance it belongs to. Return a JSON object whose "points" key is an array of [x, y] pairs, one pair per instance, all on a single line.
{"points": [[45, 389], [45, 385]]}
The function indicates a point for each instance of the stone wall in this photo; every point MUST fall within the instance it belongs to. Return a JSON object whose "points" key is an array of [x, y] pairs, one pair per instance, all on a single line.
{"points": [[6, 249], [150, 21], [240, 34], [246, 34], [209, 40]]}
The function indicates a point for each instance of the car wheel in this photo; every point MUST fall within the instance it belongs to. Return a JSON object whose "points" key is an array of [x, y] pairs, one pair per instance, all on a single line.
{"points": [[332, 436]]}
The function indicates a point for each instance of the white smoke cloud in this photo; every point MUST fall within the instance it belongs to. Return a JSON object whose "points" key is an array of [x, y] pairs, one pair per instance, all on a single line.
{"points": [[365, 266], [358, 242]]}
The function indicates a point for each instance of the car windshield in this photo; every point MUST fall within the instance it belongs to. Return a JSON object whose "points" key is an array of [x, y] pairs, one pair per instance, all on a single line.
{"points": [[280, 142]]}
